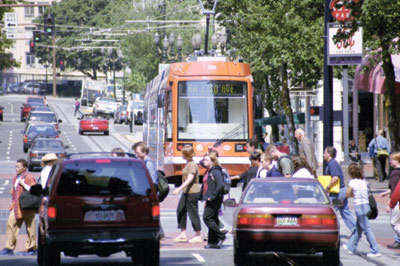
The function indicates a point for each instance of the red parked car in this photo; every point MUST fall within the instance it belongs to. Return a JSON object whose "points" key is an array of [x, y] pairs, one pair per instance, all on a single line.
{"points": [[292, 215], [1, 113], [91, 123], [27, 106]]}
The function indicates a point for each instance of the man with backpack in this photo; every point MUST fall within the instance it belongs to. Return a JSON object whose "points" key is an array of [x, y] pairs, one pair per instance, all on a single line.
{"points": [[284, 163]]}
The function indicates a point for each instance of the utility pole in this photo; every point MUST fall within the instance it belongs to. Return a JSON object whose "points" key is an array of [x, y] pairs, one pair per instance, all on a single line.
{"points": [[328, 85], [54, 64]]}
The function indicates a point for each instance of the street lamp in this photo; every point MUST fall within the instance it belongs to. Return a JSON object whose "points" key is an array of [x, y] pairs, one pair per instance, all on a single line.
{"points": [[196, 41], [166, 47]]}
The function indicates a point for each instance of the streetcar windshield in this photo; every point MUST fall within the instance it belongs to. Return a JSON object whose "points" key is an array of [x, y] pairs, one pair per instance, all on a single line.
{"points": [[212, 109]]}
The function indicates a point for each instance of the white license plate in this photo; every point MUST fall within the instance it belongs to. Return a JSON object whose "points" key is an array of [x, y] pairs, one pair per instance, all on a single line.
{"points": [[95, 128], [104, 216], [286, 221]]}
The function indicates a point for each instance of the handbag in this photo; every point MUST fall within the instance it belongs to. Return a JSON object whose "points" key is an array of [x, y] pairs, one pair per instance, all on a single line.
{"points": [[382, 152], [29, 201], [373, 212], [162, 186], [325, 180]]}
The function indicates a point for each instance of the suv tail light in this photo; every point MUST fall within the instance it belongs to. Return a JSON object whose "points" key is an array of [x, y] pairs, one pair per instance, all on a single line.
{"points": [[25, 139], [255, 219], [318, 220], [155, 211], [51, 212], [33, 155]]}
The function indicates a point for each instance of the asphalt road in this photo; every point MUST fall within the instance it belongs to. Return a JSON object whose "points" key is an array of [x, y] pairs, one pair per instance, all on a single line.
{"points": [[171, 253]]}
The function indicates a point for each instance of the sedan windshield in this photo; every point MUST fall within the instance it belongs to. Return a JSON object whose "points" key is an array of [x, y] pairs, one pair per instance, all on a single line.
{"points": [[285, 192], [90, 178], [212, 109]]}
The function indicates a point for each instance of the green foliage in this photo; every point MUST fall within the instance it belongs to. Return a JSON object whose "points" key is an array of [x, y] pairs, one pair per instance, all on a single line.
{"points": [[6, 59], [104, 19], [270, 34], [381, 31]]}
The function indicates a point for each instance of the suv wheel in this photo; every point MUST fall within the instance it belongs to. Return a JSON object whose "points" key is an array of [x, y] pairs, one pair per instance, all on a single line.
{"points": [[51, 256], [39, 258], [148, 255], [240, 257]]}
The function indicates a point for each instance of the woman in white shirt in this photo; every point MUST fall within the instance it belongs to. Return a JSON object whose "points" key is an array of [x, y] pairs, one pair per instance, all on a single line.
{"points": [[48, 161], [358, 189], [301, 167]]}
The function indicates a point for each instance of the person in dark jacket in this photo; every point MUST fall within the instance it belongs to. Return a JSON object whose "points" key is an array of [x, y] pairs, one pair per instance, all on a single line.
{"points": [[212, 194], [394, 212]]}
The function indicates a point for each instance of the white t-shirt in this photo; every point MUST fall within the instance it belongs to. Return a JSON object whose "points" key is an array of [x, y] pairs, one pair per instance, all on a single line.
{"points": [[44, 175], [360, 191], [303, 173], [262, 173]]}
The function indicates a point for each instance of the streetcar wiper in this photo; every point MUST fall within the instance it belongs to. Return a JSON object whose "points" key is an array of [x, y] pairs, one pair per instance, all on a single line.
{"points": [[228, 135]]}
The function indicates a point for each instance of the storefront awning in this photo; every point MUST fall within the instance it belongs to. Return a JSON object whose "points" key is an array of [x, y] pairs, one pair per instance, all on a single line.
{"points": [[370, 77], [298, 118]]}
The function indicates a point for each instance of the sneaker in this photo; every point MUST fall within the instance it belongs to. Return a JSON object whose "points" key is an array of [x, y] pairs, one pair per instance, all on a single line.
{"points": [[6, 252], [196, 239], [180, 239], [395, 245], [344, 246], [373, 255]]}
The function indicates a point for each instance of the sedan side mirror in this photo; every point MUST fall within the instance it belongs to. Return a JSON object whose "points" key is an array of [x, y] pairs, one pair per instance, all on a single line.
{"points": [[59, 121], [66, 147]]}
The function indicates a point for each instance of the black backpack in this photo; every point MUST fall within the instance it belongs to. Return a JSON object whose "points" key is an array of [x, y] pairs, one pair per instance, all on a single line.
{"points": [[227, 180]]}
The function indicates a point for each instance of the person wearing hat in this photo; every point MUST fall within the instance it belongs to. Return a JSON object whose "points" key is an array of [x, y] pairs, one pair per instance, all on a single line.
{"points": [[48, 161]]}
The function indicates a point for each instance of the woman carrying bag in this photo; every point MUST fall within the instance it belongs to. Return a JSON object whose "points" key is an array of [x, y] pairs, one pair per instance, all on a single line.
{"points": [[212, 193], [358, 189], [188, 203]]}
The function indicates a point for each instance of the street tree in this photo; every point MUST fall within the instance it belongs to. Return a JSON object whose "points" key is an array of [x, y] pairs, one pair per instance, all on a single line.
{"points": [[282, 41], [6, 59], [381, 31], [75, 21]]}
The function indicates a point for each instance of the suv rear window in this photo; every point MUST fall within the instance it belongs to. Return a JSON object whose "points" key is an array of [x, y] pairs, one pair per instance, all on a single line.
{"points": [[105, 178], [45, 117]]}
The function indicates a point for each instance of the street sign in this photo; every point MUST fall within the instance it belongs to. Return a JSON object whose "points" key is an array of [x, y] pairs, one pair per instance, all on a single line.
{"points": [[346, 52], [10, 20], [341, 13], [11, 33]]}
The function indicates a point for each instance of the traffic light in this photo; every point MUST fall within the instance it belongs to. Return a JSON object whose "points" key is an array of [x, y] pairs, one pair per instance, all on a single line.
{"points": [[31, 46], [62, 66], [36, 36], [49, 24]]}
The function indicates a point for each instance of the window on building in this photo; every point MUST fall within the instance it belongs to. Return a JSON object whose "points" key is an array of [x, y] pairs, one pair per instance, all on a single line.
{"points": [[42, 9], [30, 59], [29, 11], [29, 32]]}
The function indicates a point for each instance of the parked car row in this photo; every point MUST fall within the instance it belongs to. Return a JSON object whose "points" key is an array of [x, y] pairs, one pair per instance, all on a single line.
{"points": [[41, 133], [27, 87]]}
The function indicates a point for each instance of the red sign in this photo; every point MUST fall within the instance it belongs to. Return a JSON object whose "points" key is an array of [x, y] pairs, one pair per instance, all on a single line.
{"points": [[342, 13]]}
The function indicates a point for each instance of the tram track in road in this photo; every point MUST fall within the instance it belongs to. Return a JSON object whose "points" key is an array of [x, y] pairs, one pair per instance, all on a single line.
{"points": [[97, 143]]}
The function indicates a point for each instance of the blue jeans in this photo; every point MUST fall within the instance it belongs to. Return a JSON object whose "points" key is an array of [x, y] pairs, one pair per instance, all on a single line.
{"points": [[345, 211], [362, 226], [397, 239]]}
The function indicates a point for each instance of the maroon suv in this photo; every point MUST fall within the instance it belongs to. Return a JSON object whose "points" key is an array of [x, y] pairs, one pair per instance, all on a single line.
{"points": [[98, 204]]}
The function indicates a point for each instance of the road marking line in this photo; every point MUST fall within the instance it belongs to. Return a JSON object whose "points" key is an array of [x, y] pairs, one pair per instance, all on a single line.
{"points": [[199, 257]]}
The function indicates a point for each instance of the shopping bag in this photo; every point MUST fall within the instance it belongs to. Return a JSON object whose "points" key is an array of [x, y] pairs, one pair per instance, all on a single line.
{"points": [[325, 180]]}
